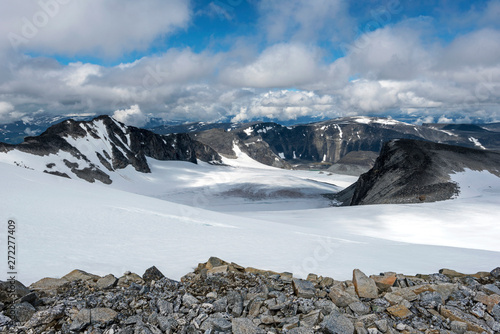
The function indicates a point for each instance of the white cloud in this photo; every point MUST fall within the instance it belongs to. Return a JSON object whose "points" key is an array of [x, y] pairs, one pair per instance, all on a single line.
{"points": [[281, 65], [8, 112], [92, 27], [304, 20], [132, 116]]}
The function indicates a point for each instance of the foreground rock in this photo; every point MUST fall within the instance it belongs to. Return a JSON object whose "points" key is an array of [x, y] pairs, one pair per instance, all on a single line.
{"points": [[223, 297]]}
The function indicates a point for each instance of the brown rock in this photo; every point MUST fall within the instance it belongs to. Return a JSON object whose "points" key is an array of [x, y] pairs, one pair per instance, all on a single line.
{"points": [[260, 271], [490, 301], [80, 275], [399, 311], [365, 286], [219, 269], [451, 273], [384, 282], [473, 324]]}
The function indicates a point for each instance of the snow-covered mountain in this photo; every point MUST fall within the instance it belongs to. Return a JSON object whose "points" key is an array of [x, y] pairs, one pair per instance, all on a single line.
{"points": [[322, 144], [94, 150]]}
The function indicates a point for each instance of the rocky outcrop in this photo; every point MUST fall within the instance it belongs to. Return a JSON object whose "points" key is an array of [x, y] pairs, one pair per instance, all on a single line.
{"points": [[93, 150], [223, 297], [331, 143], [412, 171]]}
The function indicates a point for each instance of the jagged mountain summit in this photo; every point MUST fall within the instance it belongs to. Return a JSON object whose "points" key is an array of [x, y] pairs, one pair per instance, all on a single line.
{"points": [[91, 150], [323, 144], [413, 171]]}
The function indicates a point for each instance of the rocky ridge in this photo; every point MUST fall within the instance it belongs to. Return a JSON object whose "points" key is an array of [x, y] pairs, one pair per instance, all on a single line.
{"points": [[93, 150], [415, 171], [323, 144], [222, 297]]}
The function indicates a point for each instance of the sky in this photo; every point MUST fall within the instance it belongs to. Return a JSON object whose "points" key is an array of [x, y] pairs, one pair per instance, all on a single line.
{"points": [[243, 60]]}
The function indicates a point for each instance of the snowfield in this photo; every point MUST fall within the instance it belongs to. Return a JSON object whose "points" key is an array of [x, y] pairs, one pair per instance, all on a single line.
{"points": [[255, 215]]}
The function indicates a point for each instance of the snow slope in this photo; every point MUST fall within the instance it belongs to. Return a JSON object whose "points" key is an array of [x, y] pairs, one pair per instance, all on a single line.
{"points": [[65, 224]]}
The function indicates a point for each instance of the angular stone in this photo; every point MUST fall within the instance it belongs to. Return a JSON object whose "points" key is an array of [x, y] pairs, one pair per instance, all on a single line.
{"points": [[303, 288], [495, 312], [336, 323], [4, 320], [80, 275], [458, 327], [214, 262], [102, 315], [22, 312], [189, 300], [5, 290], [451, 273], [80, 320], [48, 283], [399, 311], [430, 299], [219, 269], [260, 271], [455, 314], [310, 319], [490, 301], [165, 307], [365, 286], [301, 330], [221, 324], [128, 278], [382, 325], [384, 282], [166, 324], [340, 297], [326, 306], [235, 303], [152, 274], [491, 289], [478, 310], [495, 272], [245, 326], [393, 299], [45, 317], [106, 282], [359, 308]]}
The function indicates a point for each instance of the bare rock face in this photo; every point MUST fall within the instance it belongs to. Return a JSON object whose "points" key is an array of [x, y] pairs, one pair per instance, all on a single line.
{"points": [[95, 149], [413, 171]]}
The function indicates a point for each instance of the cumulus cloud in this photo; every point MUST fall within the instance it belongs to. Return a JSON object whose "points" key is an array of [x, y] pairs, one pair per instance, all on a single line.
{"points": [[8, 112], [289, 73], [282, 65], [93, 27], [132, 116]]}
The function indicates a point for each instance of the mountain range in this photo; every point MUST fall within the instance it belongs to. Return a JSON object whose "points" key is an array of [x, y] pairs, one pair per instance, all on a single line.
{"points": [[398, 162]]}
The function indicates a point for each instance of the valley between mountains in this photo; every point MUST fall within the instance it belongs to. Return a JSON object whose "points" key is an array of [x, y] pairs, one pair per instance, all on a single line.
{"points": [[106, 198]]}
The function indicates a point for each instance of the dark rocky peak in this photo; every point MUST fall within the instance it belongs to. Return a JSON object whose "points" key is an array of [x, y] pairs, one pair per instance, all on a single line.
{"points": [[413, 171], [92, 149]]}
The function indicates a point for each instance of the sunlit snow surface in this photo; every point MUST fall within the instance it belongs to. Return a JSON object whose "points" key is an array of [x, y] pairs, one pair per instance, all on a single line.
{"points": [[254, 215]]}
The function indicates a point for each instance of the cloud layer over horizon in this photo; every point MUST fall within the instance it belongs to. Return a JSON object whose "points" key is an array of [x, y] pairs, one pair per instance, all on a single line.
{"points": [[244, 60]]}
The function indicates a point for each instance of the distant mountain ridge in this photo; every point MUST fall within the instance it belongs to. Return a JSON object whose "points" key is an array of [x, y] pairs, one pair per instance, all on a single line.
{"points": [[91, 150], [322, 144]]}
